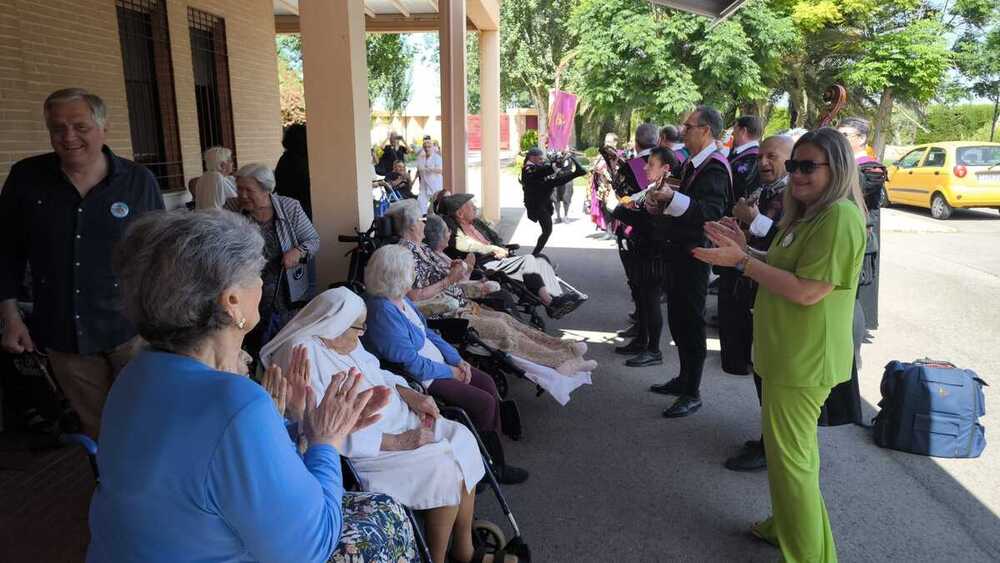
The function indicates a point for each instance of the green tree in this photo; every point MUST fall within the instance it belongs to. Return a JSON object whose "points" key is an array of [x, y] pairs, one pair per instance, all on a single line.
{"points": [[389, 56], [290, 90], [977, 51], [533, 45]]}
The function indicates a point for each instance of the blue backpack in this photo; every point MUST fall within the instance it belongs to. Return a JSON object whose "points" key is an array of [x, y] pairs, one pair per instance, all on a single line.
{"points": [[931, 408]]}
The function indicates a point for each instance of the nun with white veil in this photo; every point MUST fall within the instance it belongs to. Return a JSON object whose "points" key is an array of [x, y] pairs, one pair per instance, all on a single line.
{"points": [[412, 453]]}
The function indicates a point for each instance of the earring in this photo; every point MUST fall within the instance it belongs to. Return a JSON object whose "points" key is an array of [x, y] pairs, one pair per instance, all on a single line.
{"points": [[241, 323]]}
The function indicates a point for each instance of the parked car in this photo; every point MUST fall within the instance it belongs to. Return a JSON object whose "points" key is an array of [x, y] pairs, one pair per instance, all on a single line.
{"points": [[945, 176]]}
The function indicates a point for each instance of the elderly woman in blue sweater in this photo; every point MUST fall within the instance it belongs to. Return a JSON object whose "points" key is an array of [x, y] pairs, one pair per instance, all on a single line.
{"points": [[398, 333], [195, 461]]}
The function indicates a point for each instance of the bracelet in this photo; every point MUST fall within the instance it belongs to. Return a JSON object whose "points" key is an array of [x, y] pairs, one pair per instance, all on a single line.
{"points": [[744, 266]]}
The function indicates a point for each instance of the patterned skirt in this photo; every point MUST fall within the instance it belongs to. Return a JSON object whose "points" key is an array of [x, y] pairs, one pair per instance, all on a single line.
{"points": [[376, 529]]}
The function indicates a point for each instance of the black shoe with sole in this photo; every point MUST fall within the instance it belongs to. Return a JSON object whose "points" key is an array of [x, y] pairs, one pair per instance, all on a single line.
{"points": [[750, 459], [672, 387], [630, 332], [564, 305], [644, 359], [685, 405], [510, 475], [631, 349]]}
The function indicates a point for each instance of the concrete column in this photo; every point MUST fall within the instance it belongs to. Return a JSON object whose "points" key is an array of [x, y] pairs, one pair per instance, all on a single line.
{"points": [[453, 108], [489, 104], [335, 74]]}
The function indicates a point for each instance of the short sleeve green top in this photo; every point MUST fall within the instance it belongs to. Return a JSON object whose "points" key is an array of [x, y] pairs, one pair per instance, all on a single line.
{"points": [[812, 346]]}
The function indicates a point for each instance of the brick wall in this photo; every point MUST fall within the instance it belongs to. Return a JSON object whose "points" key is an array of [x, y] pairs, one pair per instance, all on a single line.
{"points": [[50, 44]]}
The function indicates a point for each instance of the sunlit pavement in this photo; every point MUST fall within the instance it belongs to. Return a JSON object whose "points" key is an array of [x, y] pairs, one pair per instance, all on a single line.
{"points": [[613, 481]]}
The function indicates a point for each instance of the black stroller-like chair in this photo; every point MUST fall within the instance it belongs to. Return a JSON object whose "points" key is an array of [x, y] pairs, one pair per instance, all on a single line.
{"points": [[488, 537]]}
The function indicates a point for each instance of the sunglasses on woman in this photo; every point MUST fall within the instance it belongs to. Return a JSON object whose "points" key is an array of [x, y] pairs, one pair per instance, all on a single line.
{"points": [[803, 166]]}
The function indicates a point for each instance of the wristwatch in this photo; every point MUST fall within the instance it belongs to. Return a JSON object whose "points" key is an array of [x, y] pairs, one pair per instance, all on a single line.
{"points": [[741, 266]]}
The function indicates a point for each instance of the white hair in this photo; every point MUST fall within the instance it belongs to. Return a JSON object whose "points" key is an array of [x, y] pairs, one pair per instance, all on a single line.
{"points": [[98, 111], [259, 172], [390, 272], [408, 216], [215, 157]]}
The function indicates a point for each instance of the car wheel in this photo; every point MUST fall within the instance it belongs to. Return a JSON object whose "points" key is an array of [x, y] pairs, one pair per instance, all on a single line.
{"points": [[939, 207]]}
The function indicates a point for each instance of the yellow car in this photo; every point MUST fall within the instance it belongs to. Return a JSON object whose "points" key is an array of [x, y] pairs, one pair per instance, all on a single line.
{"points": [[945, 176]]}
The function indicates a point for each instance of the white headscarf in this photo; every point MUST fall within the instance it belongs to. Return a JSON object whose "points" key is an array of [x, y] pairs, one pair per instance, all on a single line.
{"points": [[329, 315]]}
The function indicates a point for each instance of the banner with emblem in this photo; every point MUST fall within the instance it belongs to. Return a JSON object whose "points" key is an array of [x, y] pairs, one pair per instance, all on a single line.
{"points": [[562, 111]]}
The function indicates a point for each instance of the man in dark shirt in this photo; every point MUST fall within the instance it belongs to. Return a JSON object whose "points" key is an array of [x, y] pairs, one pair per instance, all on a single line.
{"points": [[62, 213], [392, 152], [539, 180], [743, 157], [703, 194]]}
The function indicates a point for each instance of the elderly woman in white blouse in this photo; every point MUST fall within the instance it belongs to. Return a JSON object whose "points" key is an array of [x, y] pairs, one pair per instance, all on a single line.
{"points": [[217, 184], [412, 454]]}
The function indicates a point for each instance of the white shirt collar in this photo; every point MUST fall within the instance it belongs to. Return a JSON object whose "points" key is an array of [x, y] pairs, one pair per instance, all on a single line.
{"points": [[644, 152], [698, 159], [745, 146], [677, 146]]}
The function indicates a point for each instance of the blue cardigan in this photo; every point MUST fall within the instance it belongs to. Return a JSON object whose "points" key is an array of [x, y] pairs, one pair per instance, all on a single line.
{"points": [[196, 465], [392, 337]]}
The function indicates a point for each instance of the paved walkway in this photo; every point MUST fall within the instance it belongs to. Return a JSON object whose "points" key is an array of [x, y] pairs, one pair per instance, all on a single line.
{"points": [[613, 481]]}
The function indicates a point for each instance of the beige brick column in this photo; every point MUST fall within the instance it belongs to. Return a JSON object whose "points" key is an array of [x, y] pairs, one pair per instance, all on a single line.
{"points": [[489, 104], [335, 76], [453, 108]]}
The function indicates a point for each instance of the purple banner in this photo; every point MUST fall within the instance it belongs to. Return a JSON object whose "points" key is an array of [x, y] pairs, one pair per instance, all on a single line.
{"points": [[561, 115]]}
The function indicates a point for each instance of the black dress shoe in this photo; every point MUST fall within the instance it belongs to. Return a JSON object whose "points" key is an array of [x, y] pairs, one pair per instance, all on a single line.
{"points": [[672, 387], [510, 475], [685, 405], [750, 459], [644, 359], [630, 332], [631, 349]]}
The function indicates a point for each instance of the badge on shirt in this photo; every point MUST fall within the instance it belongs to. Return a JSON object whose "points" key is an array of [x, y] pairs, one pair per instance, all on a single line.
{"points": [[787, 241], [119, 209]]}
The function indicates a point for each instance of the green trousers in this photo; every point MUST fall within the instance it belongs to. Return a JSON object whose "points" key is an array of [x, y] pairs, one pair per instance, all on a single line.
{"points": [[799, 524]]}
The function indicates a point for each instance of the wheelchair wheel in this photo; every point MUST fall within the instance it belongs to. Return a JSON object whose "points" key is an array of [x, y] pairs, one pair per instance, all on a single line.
{"points": [[488, 535]]}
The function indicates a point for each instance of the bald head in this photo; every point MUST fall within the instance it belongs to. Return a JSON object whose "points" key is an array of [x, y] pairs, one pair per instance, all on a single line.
{"points": [[774, 151]]}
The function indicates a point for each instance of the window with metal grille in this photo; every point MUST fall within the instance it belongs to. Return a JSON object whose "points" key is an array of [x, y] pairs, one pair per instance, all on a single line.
{"points": [[211, 80], [149, 89]]}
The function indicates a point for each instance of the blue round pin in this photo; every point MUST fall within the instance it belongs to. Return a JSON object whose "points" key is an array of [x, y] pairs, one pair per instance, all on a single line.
{"points": [[119, 209]]}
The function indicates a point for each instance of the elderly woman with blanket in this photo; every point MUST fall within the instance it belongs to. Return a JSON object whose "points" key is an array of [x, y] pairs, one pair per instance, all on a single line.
{"points": [[412, 454]]}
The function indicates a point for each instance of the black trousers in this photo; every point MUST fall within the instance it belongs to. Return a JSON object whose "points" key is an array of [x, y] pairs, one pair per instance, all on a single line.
{"points": [[545, 222], [736, 295], [686, 289]]}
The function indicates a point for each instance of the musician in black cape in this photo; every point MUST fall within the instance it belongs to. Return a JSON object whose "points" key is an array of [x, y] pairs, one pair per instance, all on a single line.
{"points": [[539, 178], [703, 194], [650, 251], [627, 183], [743, 157]]}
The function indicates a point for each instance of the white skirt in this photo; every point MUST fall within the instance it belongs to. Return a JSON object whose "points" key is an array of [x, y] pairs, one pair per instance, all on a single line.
{"points": [[430, 476], [517, 266]]}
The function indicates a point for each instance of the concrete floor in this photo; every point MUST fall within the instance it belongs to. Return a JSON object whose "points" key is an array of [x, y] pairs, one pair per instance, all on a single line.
{"points": [[613, 481]]}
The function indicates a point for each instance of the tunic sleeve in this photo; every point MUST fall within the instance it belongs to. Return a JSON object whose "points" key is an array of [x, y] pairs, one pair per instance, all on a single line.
{"points": [[13, 238], [835, 248], [282, 507]]}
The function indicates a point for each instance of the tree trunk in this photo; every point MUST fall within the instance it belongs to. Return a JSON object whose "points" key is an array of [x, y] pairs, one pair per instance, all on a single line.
{"points": [[883, 123], [996, 109], [541, 99]]}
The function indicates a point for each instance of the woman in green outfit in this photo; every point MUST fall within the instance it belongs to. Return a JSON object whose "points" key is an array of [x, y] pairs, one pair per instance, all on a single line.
{"points": [[802, 328]]}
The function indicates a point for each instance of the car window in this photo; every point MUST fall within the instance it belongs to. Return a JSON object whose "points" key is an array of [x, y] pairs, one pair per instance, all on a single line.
{"points": [[978, 156], [911, 158], [935, 158]]}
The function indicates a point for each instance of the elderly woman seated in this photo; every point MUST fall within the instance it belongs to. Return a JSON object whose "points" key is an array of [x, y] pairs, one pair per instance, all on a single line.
{"points": [[289, 241], [195, 461], [441, 289], [399, 336], [473, 236], [412, 454]]}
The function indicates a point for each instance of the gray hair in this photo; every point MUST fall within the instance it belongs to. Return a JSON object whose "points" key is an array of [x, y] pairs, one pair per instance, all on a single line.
{"points": [[434, 231], [98, 110], [215, 157], [646, 136], [408, 216], [707, 115], [259, 172], [174, 265], [670, 134], [859, 124], [390, 272], [844, 177]]}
